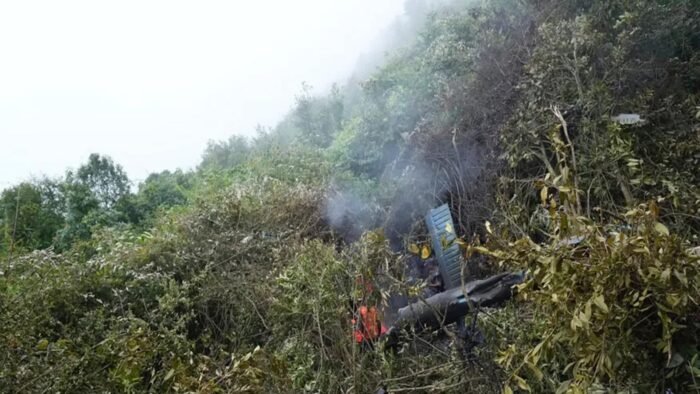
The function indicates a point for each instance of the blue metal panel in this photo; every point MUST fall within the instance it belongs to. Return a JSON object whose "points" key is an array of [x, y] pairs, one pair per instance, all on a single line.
{"points": [[447, 252]]}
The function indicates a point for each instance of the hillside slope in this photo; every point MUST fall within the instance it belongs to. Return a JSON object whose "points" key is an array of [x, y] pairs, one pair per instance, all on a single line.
{"points": [[241, 276]]}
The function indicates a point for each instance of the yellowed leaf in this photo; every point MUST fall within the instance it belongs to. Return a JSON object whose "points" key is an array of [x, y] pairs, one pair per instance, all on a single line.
{"points": [[449, 228], [661, 229], [414, 249], [425, 252], [654, 208]]}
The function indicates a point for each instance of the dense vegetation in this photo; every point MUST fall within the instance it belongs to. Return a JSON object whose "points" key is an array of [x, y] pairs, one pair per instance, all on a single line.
{"points": [[239, 276]]}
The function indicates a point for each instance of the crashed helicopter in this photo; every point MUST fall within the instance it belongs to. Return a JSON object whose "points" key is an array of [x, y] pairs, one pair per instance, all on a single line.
{"points": [[451, 305]]}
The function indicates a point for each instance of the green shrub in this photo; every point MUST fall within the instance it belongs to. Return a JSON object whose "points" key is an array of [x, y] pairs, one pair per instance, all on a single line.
{"points": [[616, 309]]}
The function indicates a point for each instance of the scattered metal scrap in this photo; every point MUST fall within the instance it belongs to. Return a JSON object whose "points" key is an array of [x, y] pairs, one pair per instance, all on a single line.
{"points": [[628, 119], [457, 300]]}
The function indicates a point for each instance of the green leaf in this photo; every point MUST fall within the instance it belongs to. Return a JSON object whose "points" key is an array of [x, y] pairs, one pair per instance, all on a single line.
{"points": [[585, 316], [522, 384], [666, 275], [695, 371], [661, 229], [675, 361], [564, 387], [599, 301], [42, 344], [535, 371], [681, 277], [575, 323]]}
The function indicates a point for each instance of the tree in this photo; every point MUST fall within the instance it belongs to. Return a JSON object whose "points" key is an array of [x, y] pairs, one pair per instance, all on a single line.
{"points": [[106, 181], [319, 118], [29, 216], [162, 190], [225, 154], [97, 194]]}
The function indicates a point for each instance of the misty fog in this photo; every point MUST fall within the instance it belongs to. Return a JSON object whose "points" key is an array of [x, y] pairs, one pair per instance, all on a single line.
{"points": [[149, 83]]}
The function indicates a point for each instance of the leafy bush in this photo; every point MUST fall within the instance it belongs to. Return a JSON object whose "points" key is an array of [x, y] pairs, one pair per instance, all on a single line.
{"points": [[157, 311], [617, 309]]}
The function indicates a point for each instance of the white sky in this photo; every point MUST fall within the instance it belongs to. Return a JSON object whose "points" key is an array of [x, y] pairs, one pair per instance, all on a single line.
{"points": [[149, 82]]}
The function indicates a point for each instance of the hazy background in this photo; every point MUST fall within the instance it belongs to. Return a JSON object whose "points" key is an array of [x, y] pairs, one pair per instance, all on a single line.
{"points": [[150, 82]]}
